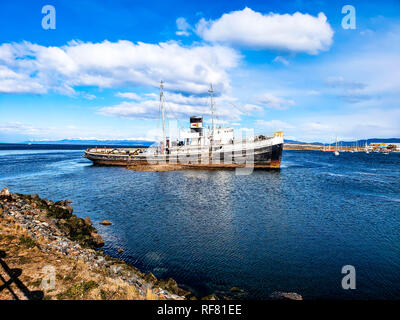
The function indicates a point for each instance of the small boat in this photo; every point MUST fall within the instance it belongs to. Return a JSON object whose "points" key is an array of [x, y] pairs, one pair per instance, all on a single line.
{"points": [[366, 147], [336, 153]]}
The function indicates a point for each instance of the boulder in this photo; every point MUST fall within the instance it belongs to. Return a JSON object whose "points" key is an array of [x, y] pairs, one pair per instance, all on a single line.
{"points": [[98, 241], [171, 286], [210, 297], [120, 250], [277, 295], [150, 277], [43, 218], [115, 268], [69, 208], [106, 223], [88, 221], [59, 212], [35, 196], [5, 192]]}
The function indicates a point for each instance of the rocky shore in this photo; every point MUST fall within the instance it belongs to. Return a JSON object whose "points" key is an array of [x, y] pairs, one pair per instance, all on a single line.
{"points": [[48, 250]]}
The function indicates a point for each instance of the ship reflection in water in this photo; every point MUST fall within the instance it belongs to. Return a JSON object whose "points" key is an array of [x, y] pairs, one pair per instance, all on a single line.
{"points": [[287, 230]]}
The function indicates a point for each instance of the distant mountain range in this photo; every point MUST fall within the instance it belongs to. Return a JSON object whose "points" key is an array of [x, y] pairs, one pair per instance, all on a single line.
{"points": [[352, 143], [96, 142], [148, 143]]}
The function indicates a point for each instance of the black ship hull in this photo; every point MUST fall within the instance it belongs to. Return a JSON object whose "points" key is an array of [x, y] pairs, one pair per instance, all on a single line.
{"points": [[265, 157]]}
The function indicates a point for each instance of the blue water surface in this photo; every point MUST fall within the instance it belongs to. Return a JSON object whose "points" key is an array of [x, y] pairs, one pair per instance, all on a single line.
{"points": [[287, 230]]}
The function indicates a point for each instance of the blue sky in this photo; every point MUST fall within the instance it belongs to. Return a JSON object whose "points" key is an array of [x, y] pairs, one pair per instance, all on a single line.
{"points": [[275, 65]]}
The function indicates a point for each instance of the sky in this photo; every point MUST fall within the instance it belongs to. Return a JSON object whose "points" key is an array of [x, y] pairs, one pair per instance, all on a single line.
{"points": [[274, 65]]}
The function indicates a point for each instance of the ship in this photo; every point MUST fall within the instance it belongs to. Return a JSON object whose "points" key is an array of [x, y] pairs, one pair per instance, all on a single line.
{"points": [[197, 147]]}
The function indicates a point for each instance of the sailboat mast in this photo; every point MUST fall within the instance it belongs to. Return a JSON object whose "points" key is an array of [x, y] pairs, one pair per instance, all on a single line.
{"points": [[211, 92], [162, 111]]}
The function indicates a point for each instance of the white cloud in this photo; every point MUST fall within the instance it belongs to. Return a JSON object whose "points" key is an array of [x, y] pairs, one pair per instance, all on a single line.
{"points": [[183, 27], [349, 91], [271, 101], [33, 68], [252, 107], [129, 95], [216, 122], [313, 93], [341, 82], [177, 106], [18, 127], [274, 125], [11, 81], [297, 32], [88, 96], [281, 60]]}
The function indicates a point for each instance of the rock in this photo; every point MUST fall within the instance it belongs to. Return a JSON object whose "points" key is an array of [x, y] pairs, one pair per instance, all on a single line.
{"points": [[101, 260], [149, 277], [5, 192], [35, 196], [210, 297], [59, 212], [277, 295], [172, 287], [106, 223], [44, 219], [98, 241], [88, 221], [169, 285], [115, 269], [120, 250], [48, 202], [70, 209], [1, 211], [236, 290]]}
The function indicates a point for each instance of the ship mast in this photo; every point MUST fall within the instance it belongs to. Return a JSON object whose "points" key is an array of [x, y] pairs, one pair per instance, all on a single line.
{"points": [[162, 113], [211, 92]]}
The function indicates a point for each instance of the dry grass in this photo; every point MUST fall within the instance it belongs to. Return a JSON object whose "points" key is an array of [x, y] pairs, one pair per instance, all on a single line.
{"points": [[75, 279]]}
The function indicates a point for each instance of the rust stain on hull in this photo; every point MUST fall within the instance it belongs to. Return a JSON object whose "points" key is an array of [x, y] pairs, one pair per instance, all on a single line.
{"points": [[145, 166]]}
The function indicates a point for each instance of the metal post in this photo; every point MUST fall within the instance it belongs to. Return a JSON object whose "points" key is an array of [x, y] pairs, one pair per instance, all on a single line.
{"points": [[211, 92], [162, 114]]}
